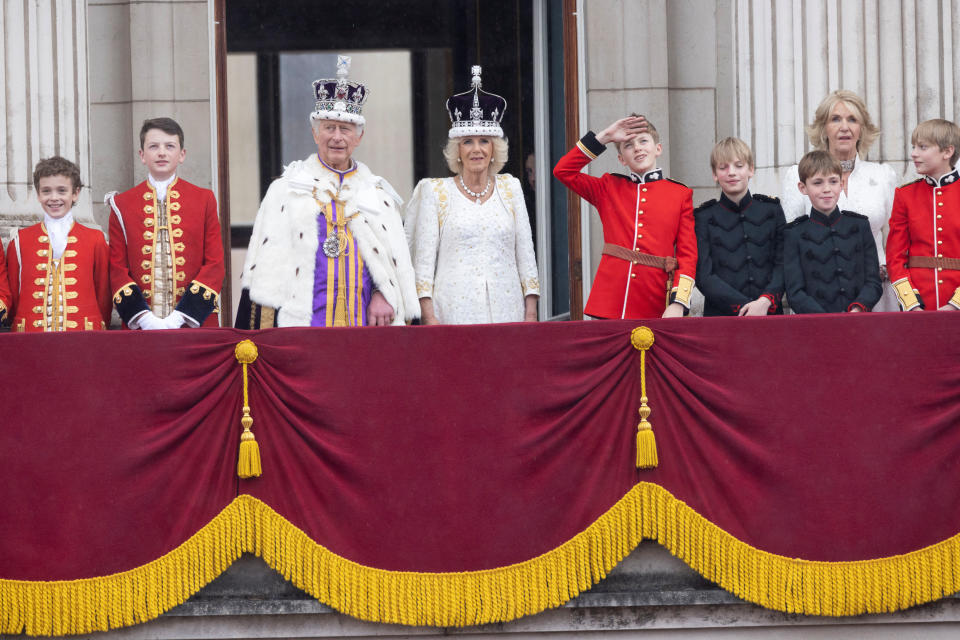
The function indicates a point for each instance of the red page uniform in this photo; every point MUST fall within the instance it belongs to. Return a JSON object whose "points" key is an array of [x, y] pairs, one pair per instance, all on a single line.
{"points": [[923, 246], [71, 293], [166, 256], [642, 214]]}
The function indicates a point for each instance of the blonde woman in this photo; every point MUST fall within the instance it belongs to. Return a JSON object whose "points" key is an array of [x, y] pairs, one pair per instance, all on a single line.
{"points": [[469, 234], [842, 126]]}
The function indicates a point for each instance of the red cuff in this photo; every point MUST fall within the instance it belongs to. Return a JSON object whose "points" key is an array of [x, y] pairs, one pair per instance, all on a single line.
{"points": [[773, 303], [857, 304]]}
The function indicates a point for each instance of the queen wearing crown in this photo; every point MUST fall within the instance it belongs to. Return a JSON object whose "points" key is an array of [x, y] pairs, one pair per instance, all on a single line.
{"points": [[469, 234]]}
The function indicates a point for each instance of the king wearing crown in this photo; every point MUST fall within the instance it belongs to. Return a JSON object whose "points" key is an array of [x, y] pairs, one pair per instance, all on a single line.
{"points": [[328, 247]]}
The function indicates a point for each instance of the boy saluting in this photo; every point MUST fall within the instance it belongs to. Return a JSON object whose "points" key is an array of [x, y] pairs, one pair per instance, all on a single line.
{"points": [[650, 249], [166, 256]]}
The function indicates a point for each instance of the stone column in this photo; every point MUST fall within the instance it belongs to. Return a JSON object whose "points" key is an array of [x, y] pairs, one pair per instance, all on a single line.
{"points": [[43, 102], [787, 56], [148, 59]]}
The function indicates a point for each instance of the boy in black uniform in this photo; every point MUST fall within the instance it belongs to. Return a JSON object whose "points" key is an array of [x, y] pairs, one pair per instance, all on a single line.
{"points": [[739, 240], [830, 261]]}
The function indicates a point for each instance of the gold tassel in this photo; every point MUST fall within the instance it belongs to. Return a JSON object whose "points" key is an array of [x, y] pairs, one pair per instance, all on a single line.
{"points": [[340, 308], [646, 441], [248, 463], [642, 339]]}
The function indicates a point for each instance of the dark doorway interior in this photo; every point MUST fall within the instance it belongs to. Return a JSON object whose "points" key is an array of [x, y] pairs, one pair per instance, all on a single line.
{"points": [[445, 37]]}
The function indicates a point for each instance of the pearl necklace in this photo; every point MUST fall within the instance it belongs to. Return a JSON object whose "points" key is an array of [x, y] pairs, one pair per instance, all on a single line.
{"points": [[474, 194]]}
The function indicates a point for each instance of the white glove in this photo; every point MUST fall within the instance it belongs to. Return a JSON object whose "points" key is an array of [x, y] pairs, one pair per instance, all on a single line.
{"points": [[149, 322], [173, 321]]}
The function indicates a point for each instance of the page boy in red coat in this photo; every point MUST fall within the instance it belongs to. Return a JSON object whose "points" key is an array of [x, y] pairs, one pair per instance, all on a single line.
{"points": [[923, 246], [166, 256], [58, 269], [649, 256]]}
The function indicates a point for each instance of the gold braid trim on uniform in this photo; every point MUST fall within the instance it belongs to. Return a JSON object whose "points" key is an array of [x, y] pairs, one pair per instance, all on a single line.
{"points": [[906, 295], [585, 151], [125, 290], [683, 290], [955, 298], [647, 511]]}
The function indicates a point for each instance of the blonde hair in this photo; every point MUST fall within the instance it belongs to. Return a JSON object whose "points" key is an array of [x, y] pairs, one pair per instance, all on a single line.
{"points": [[501, 149], [942, 133], [728, 150], [652, 130], [818, 161], [817, 130]]}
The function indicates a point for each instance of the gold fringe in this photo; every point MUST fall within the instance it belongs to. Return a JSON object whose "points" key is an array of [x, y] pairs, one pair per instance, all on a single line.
{"points": [[480, 597], [124, 599]]}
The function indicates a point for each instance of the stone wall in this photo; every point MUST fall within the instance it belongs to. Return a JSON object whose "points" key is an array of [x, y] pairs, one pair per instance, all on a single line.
{"points": [[78, 78], [147, 59], [703, 70], [43, 101], [650, 594]]}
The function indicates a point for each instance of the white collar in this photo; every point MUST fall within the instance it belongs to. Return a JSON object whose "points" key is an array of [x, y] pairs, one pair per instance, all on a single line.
{"points": [[650, 176], [58, 229], [161, 185]]}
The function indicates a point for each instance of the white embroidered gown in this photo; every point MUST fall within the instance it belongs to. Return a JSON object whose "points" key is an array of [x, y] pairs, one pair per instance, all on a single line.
{"points": [[870, 188], [476, 261]]}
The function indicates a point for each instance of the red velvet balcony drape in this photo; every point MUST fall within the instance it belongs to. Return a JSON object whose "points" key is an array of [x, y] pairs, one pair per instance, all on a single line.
{"points": [[461, 455]]}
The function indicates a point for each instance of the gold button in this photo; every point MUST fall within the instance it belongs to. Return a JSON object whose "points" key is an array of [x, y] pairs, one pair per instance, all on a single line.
{"points": [[643, 199], [939, 241], [639, 224], [939, 268], [939, 204], [640, 212], [639, 235], [939, 281], [633, 275], [939, 193], [939, 228], [939, 255], [644, 189]]}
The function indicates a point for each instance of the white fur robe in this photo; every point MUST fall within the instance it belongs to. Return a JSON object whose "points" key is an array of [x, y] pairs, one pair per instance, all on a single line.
{"points": [[280, 261]]}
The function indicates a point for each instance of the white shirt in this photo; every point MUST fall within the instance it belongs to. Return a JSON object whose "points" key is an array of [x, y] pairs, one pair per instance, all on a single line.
{"points": [[161, 186], [58, 229]]}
